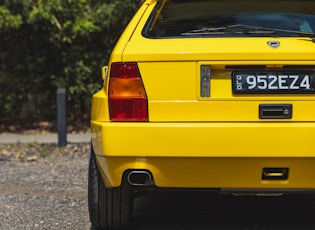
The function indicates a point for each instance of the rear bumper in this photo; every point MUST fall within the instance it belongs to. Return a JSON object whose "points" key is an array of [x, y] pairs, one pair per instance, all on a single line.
{"points": [[208, 155]]}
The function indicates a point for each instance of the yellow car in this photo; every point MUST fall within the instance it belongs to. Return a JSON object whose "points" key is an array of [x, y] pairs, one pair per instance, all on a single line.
{"points": [[205, 94]]}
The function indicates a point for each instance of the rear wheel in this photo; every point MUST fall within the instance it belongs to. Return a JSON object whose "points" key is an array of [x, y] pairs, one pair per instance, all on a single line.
{"points": [[109, 208]]}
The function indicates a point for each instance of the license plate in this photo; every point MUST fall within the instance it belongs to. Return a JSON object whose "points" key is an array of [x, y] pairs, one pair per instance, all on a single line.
{"points": [[273, 83]]}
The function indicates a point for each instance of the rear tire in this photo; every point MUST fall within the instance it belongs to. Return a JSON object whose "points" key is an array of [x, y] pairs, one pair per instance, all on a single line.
{"points": [[109, 208]]}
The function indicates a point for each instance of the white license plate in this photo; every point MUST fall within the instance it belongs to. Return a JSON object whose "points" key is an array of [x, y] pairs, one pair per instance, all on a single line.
{"points": [[272, 82]]}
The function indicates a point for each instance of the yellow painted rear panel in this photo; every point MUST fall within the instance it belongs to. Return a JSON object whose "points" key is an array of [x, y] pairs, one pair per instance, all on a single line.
{"points": [[173, 90], [202, 155], [228, 173], [212, 139]]}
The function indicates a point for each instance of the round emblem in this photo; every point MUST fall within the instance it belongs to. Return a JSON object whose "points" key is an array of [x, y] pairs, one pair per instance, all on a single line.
{"points": [[273, 44]]}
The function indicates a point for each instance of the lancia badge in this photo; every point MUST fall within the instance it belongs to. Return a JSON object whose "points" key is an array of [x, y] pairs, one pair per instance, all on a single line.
{"points": [[273, 44]]}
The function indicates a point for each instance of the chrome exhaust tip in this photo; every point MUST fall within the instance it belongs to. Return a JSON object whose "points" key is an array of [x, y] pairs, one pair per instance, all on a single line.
{"points": [[140, 178]]}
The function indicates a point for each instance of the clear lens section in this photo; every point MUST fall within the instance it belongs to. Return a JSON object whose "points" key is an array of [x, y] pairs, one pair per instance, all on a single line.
{"points": [[205, 75]]}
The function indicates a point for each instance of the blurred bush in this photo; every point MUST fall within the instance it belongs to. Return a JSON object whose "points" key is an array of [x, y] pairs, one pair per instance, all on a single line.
{"points": [[46, 44]]}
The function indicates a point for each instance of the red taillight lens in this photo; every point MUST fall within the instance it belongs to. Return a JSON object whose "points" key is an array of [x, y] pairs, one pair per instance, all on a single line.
{"points": [[124, 70], [126, 93], [128, 109]]}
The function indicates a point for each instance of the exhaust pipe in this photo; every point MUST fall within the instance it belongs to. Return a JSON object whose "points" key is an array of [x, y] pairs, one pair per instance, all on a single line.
{"points": [[140, 178]]}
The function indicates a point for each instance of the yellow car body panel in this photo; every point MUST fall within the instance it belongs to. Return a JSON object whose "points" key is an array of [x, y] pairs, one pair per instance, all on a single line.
{"points": [[219, 141], [199, 146], [235, 174], [205, 139], [231, 49]]}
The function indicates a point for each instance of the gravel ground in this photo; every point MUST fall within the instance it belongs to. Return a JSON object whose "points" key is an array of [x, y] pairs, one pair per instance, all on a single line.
{"points": [[43, 187]]}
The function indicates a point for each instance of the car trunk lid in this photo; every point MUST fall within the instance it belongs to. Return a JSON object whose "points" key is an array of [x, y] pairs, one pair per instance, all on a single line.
{"points": [[171, 70]]}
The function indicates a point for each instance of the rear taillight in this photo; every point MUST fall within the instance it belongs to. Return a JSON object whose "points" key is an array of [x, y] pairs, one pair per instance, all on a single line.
{"points": [[127, 98]]}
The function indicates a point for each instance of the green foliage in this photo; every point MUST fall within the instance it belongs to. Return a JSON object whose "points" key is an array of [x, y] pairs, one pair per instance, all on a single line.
{"points": [[46, 44], [9, 21]]}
